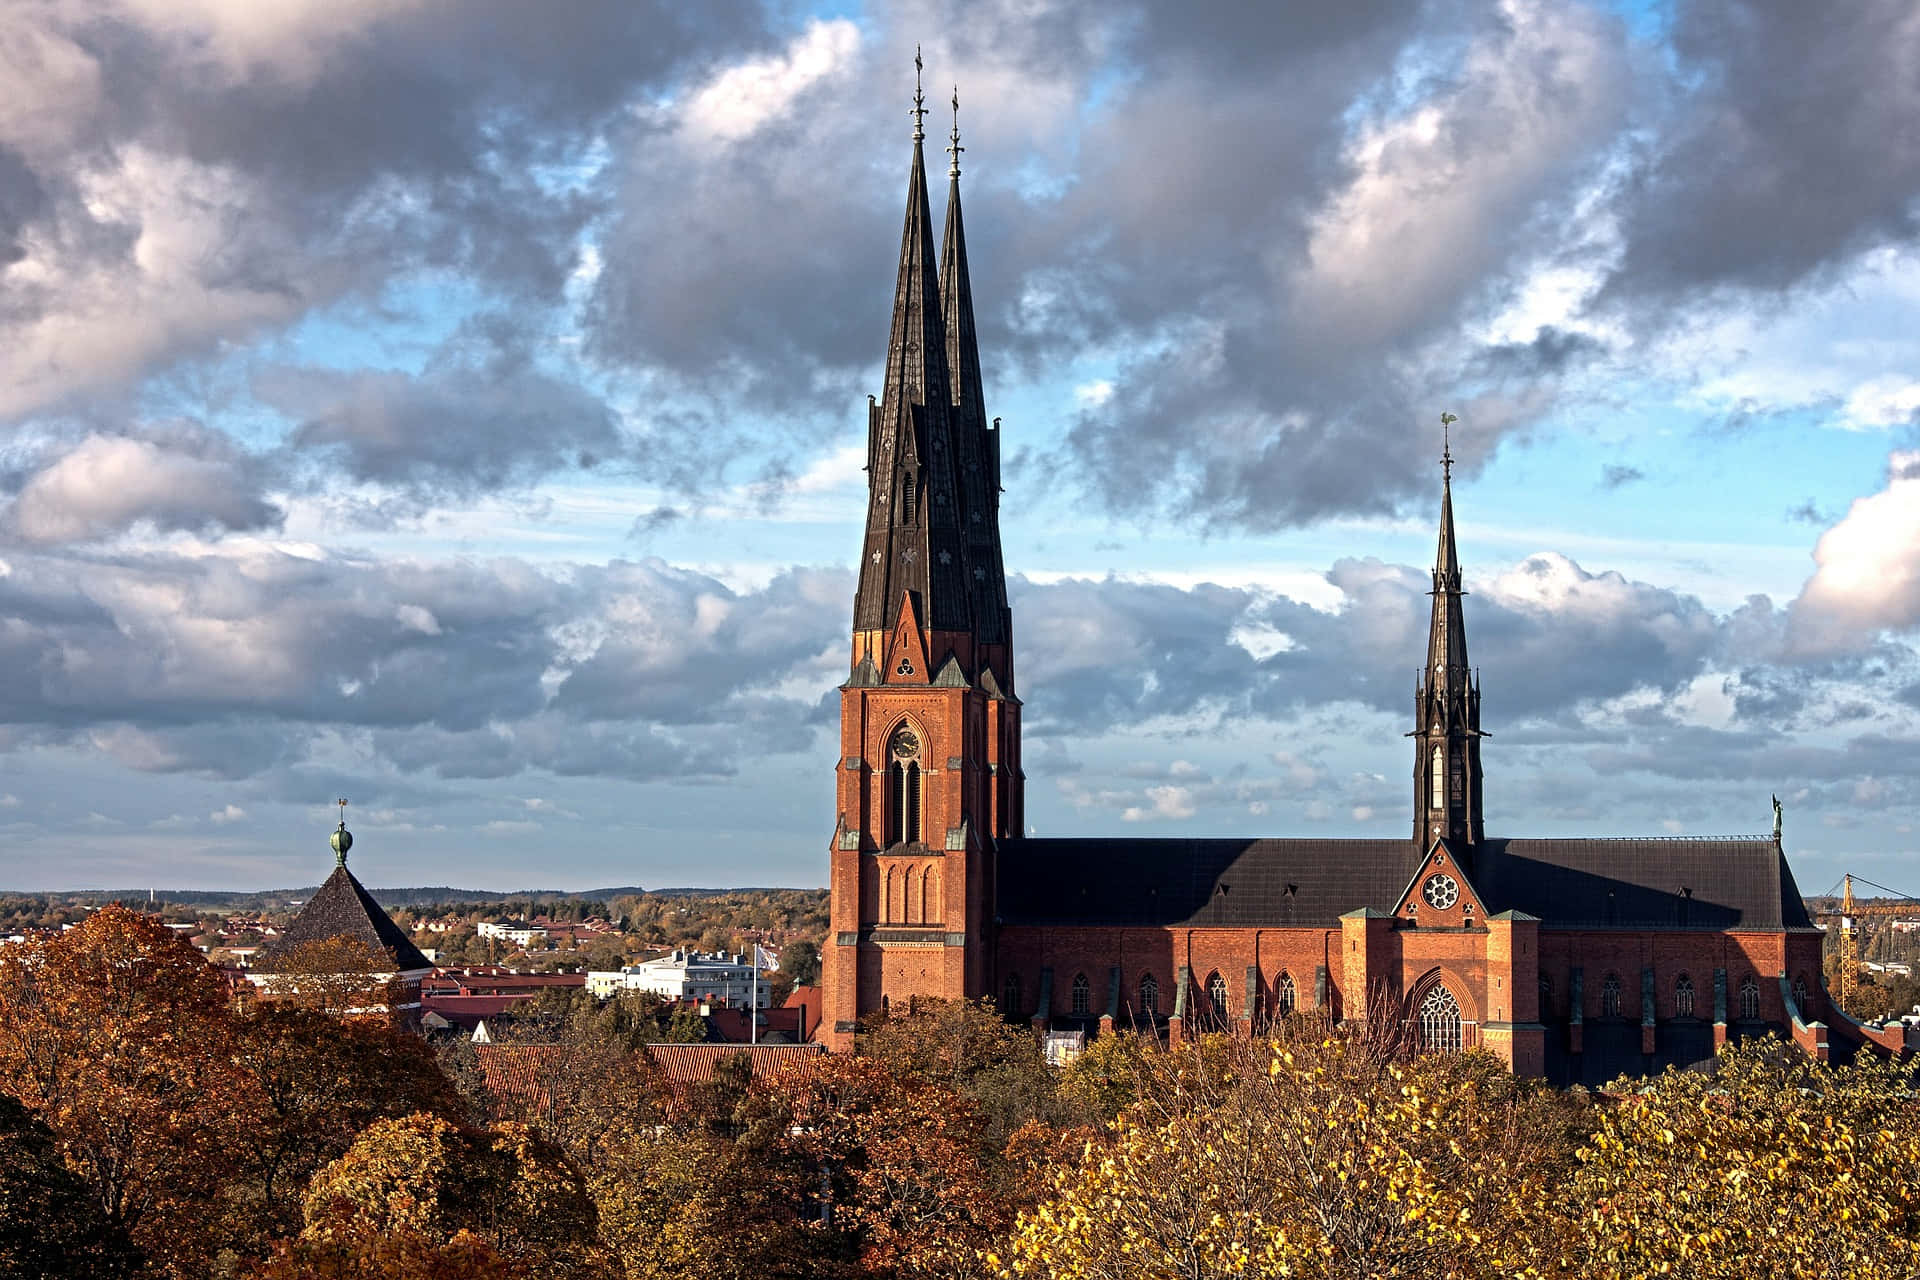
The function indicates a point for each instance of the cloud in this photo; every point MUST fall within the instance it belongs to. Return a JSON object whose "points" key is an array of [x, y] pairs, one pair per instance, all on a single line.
{"points": [[1784, 152], [179, 477], [1107, 654], [230, 662], [1867, 578], [182, 175], [1618, 475], [481, 416]]}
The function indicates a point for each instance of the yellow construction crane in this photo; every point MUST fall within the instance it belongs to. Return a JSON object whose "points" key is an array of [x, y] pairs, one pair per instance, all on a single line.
{"points": [[1853, 916], [1849, 947]]}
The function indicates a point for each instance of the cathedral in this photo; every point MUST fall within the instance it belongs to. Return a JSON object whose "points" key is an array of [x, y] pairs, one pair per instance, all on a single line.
{"points": [[1572, 959]]}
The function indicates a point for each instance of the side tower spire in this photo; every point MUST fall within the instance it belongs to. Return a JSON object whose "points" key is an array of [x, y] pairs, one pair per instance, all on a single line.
{"points": [[978, 442], [913, 552], [1446, 764]]}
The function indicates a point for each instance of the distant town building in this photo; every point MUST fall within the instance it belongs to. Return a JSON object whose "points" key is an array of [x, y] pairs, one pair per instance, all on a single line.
{"points": [[719, 978], [521, 933]]}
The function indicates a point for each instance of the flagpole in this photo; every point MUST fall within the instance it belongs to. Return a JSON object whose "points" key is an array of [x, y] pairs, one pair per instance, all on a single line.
{"points": [[753, 1012]]}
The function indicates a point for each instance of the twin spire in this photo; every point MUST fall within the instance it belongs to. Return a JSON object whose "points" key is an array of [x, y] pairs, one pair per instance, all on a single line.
{"points": [[933, 461]]}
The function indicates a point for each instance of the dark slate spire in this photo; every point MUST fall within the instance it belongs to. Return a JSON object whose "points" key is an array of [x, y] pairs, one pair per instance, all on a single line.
{"points": [[977, 447], [913, 542], [1447, 637], [1447, 779]]}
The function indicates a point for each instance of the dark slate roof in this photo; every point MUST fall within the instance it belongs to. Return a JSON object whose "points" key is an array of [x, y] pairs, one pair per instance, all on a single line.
{"points": [[1638, 883], [1233, 883], [1736, 882], [342, 907]]}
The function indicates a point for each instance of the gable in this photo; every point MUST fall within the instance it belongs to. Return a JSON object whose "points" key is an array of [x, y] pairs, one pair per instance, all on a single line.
{"points": [[1440, 894]]}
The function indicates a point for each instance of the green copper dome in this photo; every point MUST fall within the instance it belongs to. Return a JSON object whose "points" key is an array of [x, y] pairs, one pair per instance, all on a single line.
{"points": [[342, 841]]}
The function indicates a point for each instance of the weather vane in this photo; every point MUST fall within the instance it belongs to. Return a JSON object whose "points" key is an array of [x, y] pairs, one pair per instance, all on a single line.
{"points": [[1446, 443], [919, 100], [953, 170]]}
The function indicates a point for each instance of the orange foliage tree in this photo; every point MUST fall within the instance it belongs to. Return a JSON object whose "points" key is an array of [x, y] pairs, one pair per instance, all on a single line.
{"points": [[121, 1038]]}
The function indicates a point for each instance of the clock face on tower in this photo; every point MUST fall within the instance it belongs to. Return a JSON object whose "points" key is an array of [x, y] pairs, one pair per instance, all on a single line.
{"points": [[1441, 892]]}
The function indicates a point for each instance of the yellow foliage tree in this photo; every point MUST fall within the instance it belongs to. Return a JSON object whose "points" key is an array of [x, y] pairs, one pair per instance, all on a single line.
{"points": [[1773, 1166]]}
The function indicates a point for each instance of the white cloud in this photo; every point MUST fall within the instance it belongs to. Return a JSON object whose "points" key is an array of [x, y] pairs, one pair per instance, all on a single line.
{"points": [[106, 484], [1889, 401], [736, 102], [1168, 803], [1868, 577], [226, 814]]}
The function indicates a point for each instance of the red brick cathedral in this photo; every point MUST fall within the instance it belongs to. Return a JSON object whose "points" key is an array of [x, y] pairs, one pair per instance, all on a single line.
{"points": [[1570, 958]]}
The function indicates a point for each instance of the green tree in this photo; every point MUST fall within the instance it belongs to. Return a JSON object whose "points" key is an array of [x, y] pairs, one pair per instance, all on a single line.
{"points": [[801, 961]]}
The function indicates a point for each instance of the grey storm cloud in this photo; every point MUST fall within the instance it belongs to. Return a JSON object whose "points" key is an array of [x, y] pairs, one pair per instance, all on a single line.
{"points": [[1791, 146], [482, 415]]}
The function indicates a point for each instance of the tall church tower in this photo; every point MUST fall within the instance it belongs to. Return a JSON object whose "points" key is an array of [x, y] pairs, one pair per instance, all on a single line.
{"points": [[929, 773], [1446, 734]]}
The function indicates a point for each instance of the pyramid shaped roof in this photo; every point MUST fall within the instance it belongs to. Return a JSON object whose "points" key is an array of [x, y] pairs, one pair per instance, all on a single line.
{"points": [[343, 908]]}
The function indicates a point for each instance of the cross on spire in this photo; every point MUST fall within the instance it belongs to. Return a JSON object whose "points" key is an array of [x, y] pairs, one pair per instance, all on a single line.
{"points": [[953, 170], [919, 111]]}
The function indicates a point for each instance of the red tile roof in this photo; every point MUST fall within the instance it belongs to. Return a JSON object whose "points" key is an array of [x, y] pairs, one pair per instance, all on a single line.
{"points": [[516, 1074], [693, 1063]]}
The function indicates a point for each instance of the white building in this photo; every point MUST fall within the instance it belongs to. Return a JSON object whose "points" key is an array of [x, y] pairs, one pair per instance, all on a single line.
{"points": [[687, 975], [518, 932]]}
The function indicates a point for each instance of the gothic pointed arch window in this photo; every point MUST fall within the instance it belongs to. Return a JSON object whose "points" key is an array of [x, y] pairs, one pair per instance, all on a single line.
{"points": [[930, 912], [890, 904], [1546, 996], [1149, 997], [1286, 997], [1610, 996], [1217, 994], [1437, 783], [1683, 997], [909, 497], [1010, 996], [904, 786], [1082, 996], [1439, 1021], [911, 913], [1800, 995], [1749, 999]]}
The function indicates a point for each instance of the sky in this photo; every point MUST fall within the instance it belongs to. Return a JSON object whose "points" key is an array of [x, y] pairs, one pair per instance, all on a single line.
{"points": [[457, 406]]}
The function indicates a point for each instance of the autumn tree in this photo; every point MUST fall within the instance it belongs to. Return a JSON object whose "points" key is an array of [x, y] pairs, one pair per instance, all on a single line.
{"points": [[319, 1080], [51, 1225], [1307, 1155], [1772, 1166], [968, 1048], [906, 1162], [340, 976], [121, 1038], [500, 1201]]}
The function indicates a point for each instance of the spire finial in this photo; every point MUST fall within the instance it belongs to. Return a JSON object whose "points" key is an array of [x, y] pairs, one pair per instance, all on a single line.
{"points": [[919, 111], [1446, 445], [342, 838], [953, 170]]}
